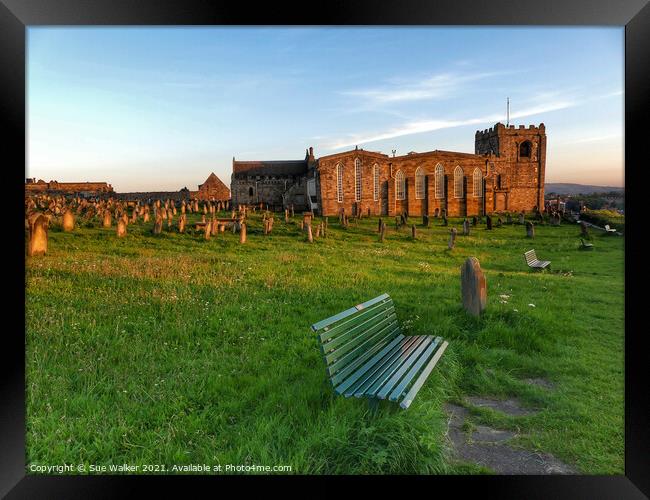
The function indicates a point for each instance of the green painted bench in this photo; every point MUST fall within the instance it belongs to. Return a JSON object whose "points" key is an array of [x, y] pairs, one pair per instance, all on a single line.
{"points": [[366, 355]]}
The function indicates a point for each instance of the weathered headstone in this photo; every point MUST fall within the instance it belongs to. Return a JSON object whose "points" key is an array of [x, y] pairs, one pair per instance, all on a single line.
{"points": [[157, 226], [488, 222], [521, 221], [473, 287], [121, 228], [379, 225], [68, 221], [38, 225], [444, 220], [414, 234], [508, 218], [465, 227], [382, 232], [499, 222], [474, 221], [452, 238], [310, 237], [208, 229], [181, 223], [107, 218], [242, 233], [530, 230], [584, 232]]}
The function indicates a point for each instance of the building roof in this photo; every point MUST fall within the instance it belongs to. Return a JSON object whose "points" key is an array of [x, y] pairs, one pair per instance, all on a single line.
{"points": [[214, 181], [272, 167], [357, 151], [440, 152]]}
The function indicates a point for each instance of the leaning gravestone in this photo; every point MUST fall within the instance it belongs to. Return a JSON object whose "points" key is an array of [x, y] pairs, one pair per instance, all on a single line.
{"points": [[530, 230], [38, 224], [68, 221], [473, 287], [488, 222], [157, 227], [465, 227], [452, 238]]}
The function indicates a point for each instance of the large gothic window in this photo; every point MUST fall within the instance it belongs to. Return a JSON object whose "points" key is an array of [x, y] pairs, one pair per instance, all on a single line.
{"points": [[357, 180], [339, 183], [524, 149], [440, 181], [419, 183], [458, 182], [400, 186], [375, 174], [478, 183]]}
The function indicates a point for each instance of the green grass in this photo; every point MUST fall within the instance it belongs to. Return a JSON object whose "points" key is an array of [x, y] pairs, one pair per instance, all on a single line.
{"points": [[171, 349]]}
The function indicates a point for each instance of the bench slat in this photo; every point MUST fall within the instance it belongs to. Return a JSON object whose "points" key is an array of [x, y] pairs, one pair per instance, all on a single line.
{"points": [[393, 385], [348, 312], [371, 370], [378, 351], [393, 378], [399, 389], [360, 329], [342, 358], [408, 399], [388, 366], [341, 328]]}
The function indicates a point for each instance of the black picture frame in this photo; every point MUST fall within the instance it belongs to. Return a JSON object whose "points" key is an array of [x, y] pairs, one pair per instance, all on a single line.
{"points": [[17, 15]]}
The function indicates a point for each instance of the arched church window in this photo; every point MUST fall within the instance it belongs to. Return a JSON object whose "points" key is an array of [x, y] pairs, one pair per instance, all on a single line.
{"points": [[419, 183], [525, 149], [400, 185], [375, 174], [357, 180], [478, 183], [458, 182], [339, 183], [440, 181]]}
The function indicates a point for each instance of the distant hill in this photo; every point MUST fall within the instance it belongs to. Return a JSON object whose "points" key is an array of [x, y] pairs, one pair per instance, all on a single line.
{"points": [[565, 188]]}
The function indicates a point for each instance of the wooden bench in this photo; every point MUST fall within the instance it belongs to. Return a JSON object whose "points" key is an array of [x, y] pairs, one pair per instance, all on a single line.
{"points": [[366, 355], [586, 246], [608, 229], [534, 262]]}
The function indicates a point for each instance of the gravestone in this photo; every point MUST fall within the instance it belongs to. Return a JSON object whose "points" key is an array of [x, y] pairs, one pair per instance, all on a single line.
{"points": [[452, 238], [68, 221], [310, 237], [242, 233], [530, 230], [508, 218], [444, 220], [414, 234], [379, 225], [436, 213], [38, 224], [474, 220], [584, 232], [473, 287], [425, 221], [286, 215], [499, 222], [208, 229], [382, 232], [121, 228], [465, 227], [318, 230], [521, 218], [488, 222], [181, 223], [157, 226], [107, 218]]}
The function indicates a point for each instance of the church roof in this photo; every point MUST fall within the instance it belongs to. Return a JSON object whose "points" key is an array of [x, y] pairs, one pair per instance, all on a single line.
{"points": [[272, 167]]}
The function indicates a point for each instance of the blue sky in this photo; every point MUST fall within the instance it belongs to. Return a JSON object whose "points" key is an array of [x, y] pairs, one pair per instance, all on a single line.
{"points": [[160, 108]]}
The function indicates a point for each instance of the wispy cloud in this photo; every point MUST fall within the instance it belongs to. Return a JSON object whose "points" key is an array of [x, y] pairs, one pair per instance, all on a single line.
{"points": [[417, 127], [432, 87]]}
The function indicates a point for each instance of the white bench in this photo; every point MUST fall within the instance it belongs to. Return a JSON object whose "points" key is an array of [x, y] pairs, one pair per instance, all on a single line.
{"points": [[609, 229], [534, 262]]}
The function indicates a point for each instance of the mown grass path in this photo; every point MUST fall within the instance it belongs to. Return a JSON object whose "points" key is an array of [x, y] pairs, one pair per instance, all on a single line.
{"points": [[171, 349]]}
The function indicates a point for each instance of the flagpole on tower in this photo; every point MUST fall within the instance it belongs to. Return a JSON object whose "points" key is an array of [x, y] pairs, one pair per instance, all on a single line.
{"points": [[508, 112]]}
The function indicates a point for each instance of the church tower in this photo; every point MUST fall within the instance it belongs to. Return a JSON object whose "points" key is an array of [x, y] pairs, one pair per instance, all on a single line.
{"points": [[521, 157]]}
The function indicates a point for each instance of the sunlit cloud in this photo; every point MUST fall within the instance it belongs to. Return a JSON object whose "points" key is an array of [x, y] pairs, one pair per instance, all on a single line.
{"points": [[432, 87], [432, 125]]}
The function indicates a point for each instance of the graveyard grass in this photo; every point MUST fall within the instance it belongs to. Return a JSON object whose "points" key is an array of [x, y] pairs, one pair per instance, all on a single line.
{"points": [[170, 349]]}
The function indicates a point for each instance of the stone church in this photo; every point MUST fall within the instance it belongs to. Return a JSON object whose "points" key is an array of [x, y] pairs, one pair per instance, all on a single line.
{"points": [[505, 173]]}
